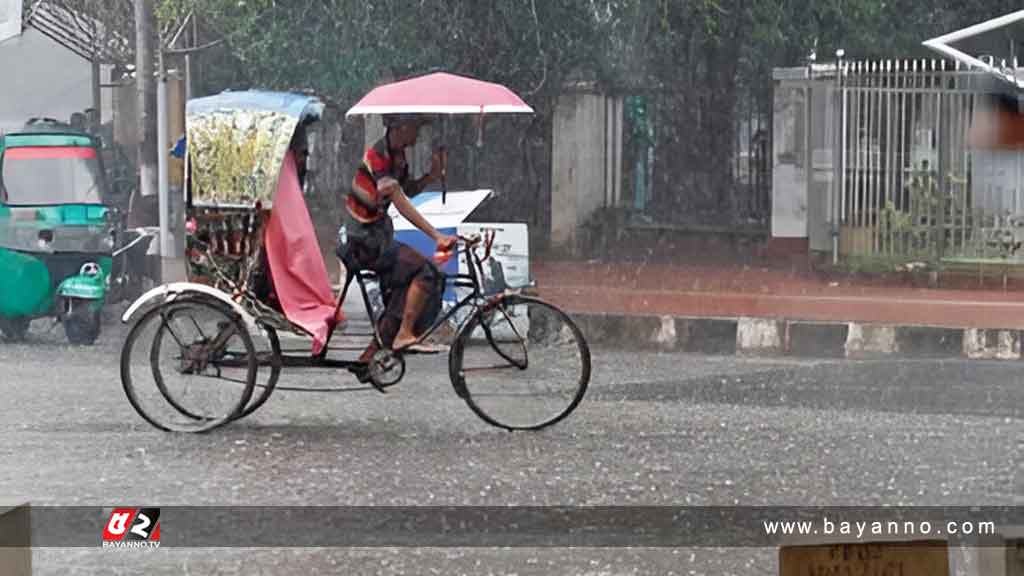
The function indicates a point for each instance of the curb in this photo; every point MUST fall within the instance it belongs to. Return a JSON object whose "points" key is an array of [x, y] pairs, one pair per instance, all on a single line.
{"points": [[815, 339]]}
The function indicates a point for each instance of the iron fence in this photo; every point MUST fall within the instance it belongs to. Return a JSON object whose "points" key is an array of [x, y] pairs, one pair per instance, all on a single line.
{"points": [[911, 185]]}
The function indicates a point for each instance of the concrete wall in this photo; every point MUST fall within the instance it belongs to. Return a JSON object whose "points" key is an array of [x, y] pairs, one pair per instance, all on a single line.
{"points": [[790, 161], [822, 138], [586, 161], [803, 170], [41, 78]]}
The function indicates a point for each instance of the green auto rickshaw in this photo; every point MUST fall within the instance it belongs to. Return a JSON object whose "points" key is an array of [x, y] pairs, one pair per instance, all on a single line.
{"points": [[60, 231]]}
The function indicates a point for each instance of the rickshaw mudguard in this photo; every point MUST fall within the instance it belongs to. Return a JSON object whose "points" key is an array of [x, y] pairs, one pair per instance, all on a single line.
{"points": [[171, 291]]}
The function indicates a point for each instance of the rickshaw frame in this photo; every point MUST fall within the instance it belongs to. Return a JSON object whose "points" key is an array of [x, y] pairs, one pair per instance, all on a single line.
{"points": [[247, 315]]}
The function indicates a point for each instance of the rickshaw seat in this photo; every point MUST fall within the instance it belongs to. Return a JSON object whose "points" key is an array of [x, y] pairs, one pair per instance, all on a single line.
{"points": [[296, 263]]}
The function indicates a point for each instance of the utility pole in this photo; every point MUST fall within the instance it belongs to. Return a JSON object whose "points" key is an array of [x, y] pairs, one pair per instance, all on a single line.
{"points": [[146, 91], [166, 242]]}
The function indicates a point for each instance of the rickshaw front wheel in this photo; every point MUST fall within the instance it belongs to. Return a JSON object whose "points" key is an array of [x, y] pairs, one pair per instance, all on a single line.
{"points": [[189, 365], [520, 363]]}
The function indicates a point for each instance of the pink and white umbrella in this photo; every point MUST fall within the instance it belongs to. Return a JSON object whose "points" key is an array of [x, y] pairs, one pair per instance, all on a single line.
{"points": [[440, 93]]}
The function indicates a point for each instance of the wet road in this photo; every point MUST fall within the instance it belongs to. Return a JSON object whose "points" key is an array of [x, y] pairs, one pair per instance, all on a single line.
{"points": [[653, 430]]}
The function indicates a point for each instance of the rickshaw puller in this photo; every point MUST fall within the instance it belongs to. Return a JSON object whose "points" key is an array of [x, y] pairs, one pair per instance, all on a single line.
{"points": [[412, 285]]}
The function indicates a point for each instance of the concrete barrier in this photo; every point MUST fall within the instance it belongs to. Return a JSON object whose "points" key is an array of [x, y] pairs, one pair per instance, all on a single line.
{"points": [[708, 335], [15, 540], [666, 337], [929, 341], [760, 336], [991, 344], [766, 336], [866, 340], [816, 339]]}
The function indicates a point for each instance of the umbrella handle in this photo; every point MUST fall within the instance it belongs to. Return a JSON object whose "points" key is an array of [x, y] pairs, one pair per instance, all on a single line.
{"points": [[444, 174]]}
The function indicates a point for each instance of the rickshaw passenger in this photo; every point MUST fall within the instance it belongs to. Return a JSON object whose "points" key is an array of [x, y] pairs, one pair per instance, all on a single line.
{"points": [[412, 285]]}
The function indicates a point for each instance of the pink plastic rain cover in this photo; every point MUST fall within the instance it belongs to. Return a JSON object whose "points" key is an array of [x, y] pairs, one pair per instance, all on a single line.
{"points": [[296, 263]]}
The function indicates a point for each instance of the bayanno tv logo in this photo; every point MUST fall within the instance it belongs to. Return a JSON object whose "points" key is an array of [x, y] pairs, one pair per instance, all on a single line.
{"points": [[132, 528]]}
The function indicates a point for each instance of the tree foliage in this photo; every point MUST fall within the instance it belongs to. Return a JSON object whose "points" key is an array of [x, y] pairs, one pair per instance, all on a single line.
{"points": [[342, 47], [702, 62]]}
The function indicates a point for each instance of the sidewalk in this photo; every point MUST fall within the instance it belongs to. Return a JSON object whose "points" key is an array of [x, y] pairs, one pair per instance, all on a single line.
{"points": [[766, 306]]}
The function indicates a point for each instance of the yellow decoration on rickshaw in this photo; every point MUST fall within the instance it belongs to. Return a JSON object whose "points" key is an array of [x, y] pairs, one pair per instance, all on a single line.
{"points": [[235, 156]]}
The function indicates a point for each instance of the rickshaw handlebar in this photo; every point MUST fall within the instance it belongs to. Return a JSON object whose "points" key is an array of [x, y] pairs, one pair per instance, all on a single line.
{"points": [[473, 240], [469, 244]]}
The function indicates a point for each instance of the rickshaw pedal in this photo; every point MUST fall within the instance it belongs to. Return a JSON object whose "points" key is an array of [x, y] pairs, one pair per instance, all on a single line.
{"points": [[361, 372]]}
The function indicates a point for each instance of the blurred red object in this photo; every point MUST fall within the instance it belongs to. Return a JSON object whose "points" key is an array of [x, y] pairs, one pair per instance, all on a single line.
{"points": [[997, 125], [442, 257]]}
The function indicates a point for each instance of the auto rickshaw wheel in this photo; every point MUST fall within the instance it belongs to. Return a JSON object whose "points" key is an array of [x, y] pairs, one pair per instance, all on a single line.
{"points": [[82, 325], [14, 329]]}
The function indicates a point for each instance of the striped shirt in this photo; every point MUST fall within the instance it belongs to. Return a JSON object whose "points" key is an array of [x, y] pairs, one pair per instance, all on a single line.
{"points": [[366, 202]]}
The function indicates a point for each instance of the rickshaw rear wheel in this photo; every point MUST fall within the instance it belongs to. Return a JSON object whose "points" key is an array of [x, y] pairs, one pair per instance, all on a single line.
{"points": [[194, 366], [14, 329], [268, 354], [269, 362]]}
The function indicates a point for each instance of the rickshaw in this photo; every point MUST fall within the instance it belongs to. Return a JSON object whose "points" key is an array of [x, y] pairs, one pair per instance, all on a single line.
{"points": [[203, 353], [64, 251]]}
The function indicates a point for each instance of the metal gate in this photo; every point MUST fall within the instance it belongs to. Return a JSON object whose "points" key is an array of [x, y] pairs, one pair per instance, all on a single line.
{"points": [[909, 185]]}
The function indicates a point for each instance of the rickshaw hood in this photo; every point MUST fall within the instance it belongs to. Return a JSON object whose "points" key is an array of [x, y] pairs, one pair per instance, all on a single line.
{"points": [[242, 137]]}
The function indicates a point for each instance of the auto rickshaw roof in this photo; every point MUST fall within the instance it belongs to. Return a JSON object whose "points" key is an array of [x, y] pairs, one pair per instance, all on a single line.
{"points": [[237, 142], [47, 137]]}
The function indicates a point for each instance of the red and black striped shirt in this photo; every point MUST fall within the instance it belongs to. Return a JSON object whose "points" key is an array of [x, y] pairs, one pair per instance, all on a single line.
{"points": [[365, 201]]}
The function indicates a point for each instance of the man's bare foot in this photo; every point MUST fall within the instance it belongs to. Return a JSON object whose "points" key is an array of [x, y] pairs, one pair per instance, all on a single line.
{"points": [[403, 341]]}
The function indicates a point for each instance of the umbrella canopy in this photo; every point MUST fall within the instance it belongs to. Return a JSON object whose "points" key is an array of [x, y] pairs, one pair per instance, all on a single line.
{"points": [[441, 93]]}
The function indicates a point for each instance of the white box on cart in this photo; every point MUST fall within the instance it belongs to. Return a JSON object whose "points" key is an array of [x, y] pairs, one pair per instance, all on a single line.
{"points": [[508, 268]]}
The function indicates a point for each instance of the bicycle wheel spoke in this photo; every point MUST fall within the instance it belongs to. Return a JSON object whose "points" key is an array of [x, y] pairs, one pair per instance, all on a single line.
{"points": [[165, 323]]}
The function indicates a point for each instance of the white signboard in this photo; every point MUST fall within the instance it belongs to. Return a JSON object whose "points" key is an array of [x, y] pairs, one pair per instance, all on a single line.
{"points": [[443, 213], [10, 19], [508, 267]]}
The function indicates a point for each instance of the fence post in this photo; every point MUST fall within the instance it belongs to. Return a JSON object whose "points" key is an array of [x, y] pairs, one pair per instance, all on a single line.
{"points": [[942, 134], [839, 157]]}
